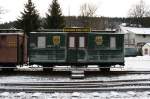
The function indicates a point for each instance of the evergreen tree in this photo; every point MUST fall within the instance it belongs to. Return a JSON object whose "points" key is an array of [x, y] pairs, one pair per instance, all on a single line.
{"points": [[54, 18], [29, 21]]}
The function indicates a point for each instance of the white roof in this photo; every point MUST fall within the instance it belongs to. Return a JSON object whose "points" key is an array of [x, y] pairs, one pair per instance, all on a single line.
{"points": [[147, 44], [11, 33], [135, 30], [76, 32]]}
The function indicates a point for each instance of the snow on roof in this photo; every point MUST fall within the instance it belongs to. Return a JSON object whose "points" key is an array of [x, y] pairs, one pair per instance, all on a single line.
{"points": [[147, 44], [135, 30], [11, 33]]}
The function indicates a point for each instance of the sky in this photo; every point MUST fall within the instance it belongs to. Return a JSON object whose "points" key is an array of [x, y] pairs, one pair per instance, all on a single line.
{"points": [[109, 8]]}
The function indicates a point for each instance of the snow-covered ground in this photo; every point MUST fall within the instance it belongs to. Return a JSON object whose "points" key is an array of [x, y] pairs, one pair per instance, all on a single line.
{"points": [[77, 95], [137, 63], [131, 63], [30, 68]]}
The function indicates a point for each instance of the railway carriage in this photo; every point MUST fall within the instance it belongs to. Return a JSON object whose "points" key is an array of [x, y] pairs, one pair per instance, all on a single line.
{"points": [[13, 48], [76, 47]]}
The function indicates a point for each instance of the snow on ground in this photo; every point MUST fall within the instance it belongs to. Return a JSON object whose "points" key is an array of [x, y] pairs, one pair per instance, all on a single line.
{"points": [[137, 63], [131, 63], [100, 95], [30, 68]]}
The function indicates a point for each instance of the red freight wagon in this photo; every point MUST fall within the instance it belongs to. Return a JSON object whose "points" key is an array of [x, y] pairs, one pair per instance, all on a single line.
{"points": [[13, 48]]}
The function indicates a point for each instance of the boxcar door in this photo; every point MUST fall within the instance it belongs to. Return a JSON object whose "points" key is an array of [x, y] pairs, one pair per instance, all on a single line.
{"points": [[77, 43]]}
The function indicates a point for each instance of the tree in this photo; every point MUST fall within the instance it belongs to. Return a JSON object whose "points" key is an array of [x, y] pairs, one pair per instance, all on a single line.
{"points": [[54, 18], [139, 12], [87, 11], [2, 11], [29, 21]]}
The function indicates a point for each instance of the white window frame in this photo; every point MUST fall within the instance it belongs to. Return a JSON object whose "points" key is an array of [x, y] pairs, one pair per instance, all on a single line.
{"points": [[112, 42], [82, 42], [71, 41], [41, 42]]}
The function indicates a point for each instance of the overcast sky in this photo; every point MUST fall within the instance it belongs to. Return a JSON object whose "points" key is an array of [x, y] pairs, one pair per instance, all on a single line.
{"points": [[112, 8]]}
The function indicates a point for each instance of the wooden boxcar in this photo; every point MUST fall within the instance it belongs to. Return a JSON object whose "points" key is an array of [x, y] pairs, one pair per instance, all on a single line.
{"points": [[13, 48], [103, 48]]}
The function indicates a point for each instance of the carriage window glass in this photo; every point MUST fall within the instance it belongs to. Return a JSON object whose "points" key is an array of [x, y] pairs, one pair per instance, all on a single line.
{"points": [[112, 42], [81, 41], [71, 41], [41, 42]]}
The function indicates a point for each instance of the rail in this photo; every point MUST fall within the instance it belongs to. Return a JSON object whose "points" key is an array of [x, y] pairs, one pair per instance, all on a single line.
{"points": [[71, 86]]}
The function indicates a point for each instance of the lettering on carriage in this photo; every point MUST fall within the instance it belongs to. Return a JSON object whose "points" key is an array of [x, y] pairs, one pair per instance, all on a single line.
{"points": [[77, 30], [99, 40], [56, 40]]}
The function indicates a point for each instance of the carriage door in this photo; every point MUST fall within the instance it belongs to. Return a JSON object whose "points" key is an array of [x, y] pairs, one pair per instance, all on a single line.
{"points": [[76, 47]]}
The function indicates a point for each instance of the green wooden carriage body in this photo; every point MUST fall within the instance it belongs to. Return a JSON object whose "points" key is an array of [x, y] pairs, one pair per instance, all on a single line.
{"points": [[78, 48]]}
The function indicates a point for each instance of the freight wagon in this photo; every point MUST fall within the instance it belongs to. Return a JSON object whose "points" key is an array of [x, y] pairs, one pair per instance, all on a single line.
{"points": [[76, 47], [13, 48]]}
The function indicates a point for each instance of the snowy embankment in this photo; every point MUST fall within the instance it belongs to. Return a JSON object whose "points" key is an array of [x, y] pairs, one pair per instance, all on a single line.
{"points": [[139, 63], [131, 63], [30, 68]]}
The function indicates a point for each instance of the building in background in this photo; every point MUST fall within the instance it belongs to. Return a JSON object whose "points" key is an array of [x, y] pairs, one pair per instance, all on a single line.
{"points": [[135, 38], [146, 49]]}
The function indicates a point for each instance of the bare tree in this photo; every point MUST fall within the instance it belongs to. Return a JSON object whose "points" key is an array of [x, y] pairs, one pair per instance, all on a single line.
{"points": [[138, 13], [2, 11], [139, 10], [87, 12]]}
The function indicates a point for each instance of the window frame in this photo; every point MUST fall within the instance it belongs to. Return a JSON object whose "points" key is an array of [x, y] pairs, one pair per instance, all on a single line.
{"points": [[81, 42], [113, 42], [71, 42], [40, 44]]}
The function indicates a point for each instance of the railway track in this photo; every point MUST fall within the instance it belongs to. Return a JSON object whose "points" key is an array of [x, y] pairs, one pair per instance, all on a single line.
{"points": [[85, 86], [66, 72]]}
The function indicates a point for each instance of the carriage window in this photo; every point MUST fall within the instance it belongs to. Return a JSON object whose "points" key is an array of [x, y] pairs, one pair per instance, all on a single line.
{"points": [[81, 42], [71, 41], [41, 42], [112, 42]]}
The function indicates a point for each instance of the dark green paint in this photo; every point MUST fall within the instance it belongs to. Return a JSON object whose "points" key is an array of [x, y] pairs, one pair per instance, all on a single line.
{"points": [[92, 54]]}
